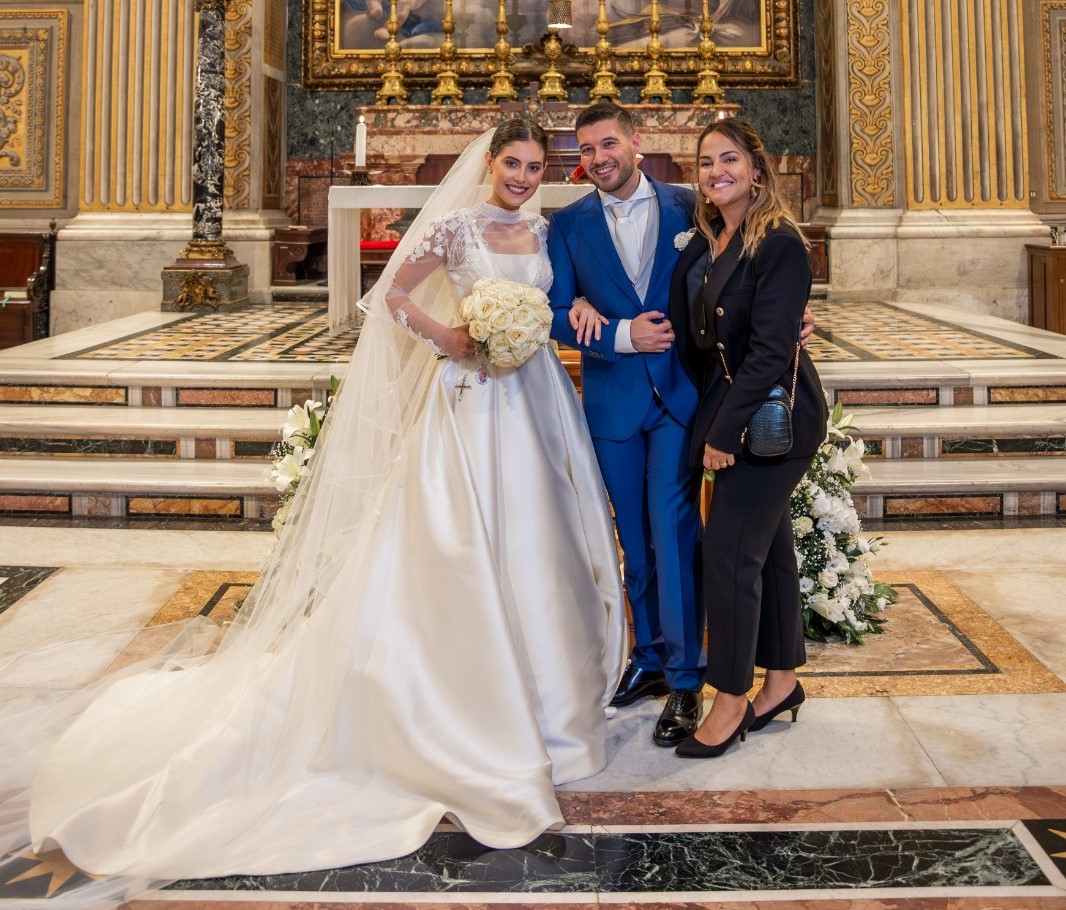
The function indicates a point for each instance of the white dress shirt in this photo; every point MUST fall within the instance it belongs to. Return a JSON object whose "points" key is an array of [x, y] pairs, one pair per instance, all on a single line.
{"points": [[644, 198]]}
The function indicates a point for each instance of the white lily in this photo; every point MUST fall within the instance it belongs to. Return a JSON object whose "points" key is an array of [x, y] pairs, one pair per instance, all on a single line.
{"points": [[297, 430]]}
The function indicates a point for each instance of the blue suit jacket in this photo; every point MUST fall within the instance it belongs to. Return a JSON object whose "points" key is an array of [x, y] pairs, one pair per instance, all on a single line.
{"points": [[617, 388]]}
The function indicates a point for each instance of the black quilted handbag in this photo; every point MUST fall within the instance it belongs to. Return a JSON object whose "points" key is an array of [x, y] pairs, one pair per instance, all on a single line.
{"points": [[769, 431]]}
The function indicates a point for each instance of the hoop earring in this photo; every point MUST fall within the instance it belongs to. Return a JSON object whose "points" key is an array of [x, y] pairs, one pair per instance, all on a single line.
{"points": [[755, 190]]}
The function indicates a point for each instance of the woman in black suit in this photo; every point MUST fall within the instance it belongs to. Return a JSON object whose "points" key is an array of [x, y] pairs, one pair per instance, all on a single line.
{"points": [[737, 301]]}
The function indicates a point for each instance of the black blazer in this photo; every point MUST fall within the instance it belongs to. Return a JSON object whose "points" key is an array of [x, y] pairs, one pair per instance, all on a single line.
{"points": [[752, 307]]}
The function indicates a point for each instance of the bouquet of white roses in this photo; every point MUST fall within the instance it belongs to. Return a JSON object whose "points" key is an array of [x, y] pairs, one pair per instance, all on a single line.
{"points": [[837, 590], [510, 320], [303, 425]]}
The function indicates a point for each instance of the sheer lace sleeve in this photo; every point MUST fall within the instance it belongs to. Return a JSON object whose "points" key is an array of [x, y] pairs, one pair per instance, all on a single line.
{"points": [[441, 246]]}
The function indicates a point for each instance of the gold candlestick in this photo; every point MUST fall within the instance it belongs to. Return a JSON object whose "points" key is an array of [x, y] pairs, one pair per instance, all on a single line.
{"points": [[707, 90], [655, 79], [392, 89], [447, 81], [553, 87], [604, 88], [502, 88]]}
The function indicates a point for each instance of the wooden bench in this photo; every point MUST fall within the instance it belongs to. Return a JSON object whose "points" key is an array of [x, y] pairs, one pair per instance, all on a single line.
{"points": [[27, 278]]}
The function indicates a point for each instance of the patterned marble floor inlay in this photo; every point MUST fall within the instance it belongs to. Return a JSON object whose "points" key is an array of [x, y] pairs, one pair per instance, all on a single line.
{"points": [[214, 595], [1050, 834], [936, 642], [880, 331], [681, 862], [277, 333], [287, 332], [17, 581]]}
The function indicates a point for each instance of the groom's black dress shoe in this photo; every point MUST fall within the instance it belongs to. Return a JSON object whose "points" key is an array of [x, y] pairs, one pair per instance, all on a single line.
{"points": [[679, 719], [637, 683]]}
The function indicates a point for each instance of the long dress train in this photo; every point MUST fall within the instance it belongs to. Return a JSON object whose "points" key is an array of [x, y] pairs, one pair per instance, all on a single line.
{"points": [[458, 647]]}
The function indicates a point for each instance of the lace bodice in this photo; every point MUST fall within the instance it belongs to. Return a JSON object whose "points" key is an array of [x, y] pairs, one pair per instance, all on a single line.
{"points": [[483, 241]]}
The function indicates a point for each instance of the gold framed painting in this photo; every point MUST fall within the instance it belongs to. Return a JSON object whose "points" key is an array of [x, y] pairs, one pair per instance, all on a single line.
{"points": [[344, 40]]}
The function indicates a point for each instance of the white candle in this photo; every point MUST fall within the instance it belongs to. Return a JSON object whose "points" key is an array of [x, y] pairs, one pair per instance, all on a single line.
{"points": [[360, 143]]}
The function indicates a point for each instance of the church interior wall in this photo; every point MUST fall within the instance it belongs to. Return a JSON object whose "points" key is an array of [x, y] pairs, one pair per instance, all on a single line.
{"points": [[889, 248]]}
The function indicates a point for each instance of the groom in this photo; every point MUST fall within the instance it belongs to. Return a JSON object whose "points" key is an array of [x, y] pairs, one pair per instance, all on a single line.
{"points": [[616, 248]]}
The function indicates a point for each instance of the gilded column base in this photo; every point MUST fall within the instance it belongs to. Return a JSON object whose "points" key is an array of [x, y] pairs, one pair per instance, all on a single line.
{"points": [[200, 288], [206, 254]]}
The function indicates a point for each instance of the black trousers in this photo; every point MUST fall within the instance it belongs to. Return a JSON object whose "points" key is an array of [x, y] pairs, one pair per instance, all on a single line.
{"points": [[750, 576]]}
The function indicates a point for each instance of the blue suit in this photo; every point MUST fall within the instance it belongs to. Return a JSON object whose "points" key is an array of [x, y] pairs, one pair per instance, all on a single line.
{"points": [[640, 409]]}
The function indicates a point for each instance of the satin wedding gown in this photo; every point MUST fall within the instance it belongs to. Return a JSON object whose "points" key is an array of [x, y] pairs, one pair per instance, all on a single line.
{"points": [[457, 663]]}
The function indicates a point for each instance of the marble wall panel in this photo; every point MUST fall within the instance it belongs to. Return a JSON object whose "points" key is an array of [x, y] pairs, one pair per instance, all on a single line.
{"points": [[867, 266], [33, 75], [76, 308]]}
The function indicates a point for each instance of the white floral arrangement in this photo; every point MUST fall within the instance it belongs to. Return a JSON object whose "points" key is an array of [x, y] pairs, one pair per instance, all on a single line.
{"points": [[508, 319], [681, 240], [837, 590], [290, 457]]}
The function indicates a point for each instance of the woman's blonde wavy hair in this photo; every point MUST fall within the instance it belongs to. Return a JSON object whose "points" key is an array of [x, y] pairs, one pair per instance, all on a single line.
{"points": [[767, 208]]}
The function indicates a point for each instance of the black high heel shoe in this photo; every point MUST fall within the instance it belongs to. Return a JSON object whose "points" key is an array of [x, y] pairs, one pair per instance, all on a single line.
{"points": [[690, 747], [791, 702]]}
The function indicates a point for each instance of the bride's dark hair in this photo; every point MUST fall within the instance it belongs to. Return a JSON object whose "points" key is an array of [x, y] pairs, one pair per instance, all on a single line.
{"points": [[518, 129]]}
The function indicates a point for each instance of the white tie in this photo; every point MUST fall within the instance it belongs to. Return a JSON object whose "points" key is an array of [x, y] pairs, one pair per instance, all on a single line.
{"points": [[627, 235]]}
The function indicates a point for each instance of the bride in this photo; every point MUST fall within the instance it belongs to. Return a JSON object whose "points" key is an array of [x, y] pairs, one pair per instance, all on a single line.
{"points": [[437, 633]]}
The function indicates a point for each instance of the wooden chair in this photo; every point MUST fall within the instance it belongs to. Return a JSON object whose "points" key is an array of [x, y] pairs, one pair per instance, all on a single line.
{"points": [[27, 279]]}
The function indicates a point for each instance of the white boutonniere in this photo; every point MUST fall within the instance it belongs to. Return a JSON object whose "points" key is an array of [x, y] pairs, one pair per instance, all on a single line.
{"points": [[681, 240]]}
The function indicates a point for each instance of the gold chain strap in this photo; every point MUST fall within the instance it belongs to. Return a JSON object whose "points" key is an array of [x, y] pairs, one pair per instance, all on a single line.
{"points": [[795, 373]]}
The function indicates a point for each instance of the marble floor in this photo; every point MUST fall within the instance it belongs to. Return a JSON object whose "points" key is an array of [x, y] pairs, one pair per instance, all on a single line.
{"points": [[927, 769], [299, 332]]}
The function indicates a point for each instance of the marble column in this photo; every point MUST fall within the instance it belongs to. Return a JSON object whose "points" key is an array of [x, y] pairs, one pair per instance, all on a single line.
{"points": [[209, 145], [922, 147], [133, 96], [206, 274]]}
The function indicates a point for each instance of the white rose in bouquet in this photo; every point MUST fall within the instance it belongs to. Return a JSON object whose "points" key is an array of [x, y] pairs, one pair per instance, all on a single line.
{"points": [[481, 308], [509, 319], [500, 320]]}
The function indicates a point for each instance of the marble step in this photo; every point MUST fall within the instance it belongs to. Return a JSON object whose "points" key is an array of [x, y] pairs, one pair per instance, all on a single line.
{"points": [[931, 383], [977, 486], [74, 430], [103, 487], [163, 383], [963, 431]]}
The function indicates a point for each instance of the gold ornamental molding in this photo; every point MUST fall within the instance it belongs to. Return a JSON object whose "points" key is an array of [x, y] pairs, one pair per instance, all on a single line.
{"points": [[197, 292], [238, 177], [825, 38], [756, 44], [872, 154], [33, 54], [274, 35], [273, 188], [1053, 41]]}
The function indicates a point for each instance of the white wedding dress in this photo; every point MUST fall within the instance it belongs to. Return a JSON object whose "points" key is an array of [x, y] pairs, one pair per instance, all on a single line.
{"points": [[461, 638]]}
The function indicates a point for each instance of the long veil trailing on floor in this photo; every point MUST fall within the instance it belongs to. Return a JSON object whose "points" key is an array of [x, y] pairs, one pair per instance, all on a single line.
{"points": [[195, 676]]}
